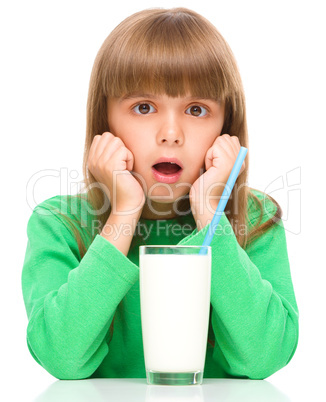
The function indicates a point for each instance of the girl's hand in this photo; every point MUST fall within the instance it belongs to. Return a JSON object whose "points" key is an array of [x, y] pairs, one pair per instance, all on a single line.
{"points": [[219, 161], [110, 162]]}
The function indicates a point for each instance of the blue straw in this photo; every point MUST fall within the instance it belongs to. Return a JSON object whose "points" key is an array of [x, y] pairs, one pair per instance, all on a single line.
{"points": [[224, 198]]}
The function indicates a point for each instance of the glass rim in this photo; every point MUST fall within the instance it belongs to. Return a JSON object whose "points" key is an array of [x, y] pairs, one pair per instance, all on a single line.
{"points": [[174, 250]]}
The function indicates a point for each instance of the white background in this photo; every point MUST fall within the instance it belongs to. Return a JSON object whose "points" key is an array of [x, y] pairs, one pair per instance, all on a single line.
{"points": [[47, 52]]}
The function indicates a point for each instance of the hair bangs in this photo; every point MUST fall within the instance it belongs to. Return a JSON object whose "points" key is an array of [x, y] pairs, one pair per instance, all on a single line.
{"points": [[173, 56], [175, 52]]}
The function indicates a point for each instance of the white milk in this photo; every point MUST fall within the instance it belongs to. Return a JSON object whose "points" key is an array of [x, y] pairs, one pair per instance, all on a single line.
{"points": [[175, 300]]}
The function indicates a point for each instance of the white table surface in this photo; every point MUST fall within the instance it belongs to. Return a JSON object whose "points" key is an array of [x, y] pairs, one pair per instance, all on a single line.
{"points": [[136, 390]]}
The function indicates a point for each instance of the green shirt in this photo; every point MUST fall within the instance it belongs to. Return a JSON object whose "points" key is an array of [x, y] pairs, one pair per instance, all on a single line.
{"points": [[70, 301]]}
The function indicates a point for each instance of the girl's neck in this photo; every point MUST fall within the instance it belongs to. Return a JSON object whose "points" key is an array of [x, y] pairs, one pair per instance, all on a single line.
{"points": [[158, 210]]}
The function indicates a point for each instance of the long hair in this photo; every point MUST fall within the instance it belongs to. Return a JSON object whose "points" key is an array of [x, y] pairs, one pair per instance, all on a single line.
{"points": [[173, 52]]}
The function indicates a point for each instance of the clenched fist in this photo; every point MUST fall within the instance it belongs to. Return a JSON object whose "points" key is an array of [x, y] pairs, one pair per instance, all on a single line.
{"points": [[219, 161], [111, 163]]}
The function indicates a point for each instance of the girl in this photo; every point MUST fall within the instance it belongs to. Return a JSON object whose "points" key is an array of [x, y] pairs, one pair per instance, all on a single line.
{"points": [[165, 120]]}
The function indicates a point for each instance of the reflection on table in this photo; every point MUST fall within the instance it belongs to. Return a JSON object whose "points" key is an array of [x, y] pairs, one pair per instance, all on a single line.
{"points": [[137, 390]]}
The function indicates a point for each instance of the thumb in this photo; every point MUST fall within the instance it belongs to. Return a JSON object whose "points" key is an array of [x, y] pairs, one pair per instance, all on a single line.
{"points": [[209, 158], [129, 160]]}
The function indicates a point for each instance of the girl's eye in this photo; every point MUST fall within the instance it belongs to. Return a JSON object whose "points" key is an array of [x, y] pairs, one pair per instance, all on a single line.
{"points": [[143, 108], [197, 111]]}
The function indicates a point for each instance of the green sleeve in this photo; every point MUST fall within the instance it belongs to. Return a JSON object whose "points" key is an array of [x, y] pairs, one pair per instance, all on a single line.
{"points": [[70, 302], [254, 312]]}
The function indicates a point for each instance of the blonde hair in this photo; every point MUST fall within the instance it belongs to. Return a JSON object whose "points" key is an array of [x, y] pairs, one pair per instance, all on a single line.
{"points": [[171, 51]]}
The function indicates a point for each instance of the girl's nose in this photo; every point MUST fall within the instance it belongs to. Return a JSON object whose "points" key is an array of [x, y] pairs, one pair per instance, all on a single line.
{"points": [[170, 133]]}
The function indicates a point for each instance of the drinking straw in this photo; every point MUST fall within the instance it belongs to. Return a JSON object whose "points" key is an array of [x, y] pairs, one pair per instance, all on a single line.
{"points": [[224, 198]]}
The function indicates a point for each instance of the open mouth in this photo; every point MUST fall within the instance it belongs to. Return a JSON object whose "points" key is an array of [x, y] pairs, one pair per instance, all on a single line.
{"points": [[167, 172], [167, 167]]}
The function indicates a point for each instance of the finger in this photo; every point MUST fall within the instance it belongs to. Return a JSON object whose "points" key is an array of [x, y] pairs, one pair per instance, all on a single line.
{"points": [[215, 151], [99, 143], [209, 158], [108, 147], [235, 144], [122, 159], [226, 144]]}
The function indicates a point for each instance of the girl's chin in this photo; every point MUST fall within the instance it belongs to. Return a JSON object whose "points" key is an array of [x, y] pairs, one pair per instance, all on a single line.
{"points": [[166, 198], [179, 204]]}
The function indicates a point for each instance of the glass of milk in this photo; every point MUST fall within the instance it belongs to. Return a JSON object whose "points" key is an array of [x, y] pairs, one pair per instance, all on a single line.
{"points": [[175, 284]]}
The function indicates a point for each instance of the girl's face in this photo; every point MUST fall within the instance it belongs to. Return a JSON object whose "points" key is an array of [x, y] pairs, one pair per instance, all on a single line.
{"points": [[154, 127]]}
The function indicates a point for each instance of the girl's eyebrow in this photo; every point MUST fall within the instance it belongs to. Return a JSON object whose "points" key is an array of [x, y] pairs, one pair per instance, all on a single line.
{"points": [[144, 95], [137, 95]]}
